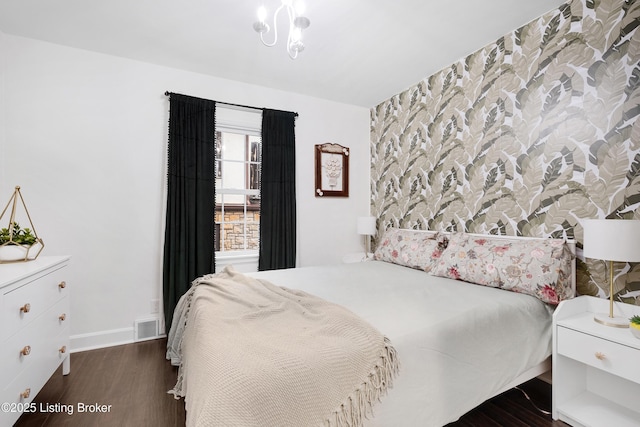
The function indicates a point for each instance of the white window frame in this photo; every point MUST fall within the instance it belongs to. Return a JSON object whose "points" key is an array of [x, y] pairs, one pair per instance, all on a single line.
{"points": [[247, 122]]}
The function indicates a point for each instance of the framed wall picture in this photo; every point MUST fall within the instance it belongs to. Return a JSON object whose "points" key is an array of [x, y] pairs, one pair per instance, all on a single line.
{"points": [[332, 170]]}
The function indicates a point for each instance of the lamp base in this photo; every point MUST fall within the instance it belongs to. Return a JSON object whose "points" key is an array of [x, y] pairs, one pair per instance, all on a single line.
{"points": [[615, 321]]}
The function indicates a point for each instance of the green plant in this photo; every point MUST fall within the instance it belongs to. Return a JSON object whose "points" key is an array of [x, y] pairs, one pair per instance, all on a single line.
{"points": [[20, 236], [635, 320]]}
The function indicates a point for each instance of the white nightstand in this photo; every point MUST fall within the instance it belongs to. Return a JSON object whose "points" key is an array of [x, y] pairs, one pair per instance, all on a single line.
{"points": [[596, 368]]}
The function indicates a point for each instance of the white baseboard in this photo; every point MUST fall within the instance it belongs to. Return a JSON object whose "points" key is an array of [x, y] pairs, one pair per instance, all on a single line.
{"points": [[102, 339]]}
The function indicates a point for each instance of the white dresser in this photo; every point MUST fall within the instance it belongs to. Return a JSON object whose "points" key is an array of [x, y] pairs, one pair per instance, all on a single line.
{"points": [[34, 330], [596, 368]]}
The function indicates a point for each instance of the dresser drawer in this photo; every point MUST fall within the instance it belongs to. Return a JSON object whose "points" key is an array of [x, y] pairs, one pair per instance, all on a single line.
{"points": [[22, 305], [39, 342], [33, 378], [609, 356]]}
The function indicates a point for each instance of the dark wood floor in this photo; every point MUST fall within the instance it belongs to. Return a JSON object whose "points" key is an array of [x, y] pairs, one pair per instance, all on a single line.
{"points": [[512, 408], [134, 379]]}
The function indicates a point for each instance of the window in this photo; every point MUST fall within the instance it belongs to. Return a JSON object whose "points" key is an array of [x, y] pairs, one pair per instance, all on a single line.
{"points": [[237, 217]]}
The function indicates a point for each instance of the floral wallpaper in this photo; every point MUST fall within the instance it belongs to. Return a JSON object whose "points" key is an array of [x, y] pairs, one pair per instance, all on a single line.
{"points": [[526, 136]]}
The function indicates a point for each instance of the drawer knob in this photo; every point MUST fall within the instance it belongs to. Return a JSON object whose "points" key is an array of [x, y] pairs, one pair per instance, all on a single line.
{"points": [[26, 393], [25, 308], [600, 356], [62, 317], [62, 285], [63, 349], [26, 350]]}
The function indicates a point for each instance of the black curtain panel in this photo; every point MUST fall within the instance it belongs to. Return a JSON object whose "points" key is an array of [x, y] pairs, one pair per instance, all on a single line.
{"points": [[278, 191], [190, 223]]}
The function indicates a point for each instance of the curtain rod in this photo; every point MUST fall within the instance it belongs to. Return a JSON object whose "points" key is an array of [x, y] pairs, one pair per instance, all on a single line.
{"points": [[167, 93]]}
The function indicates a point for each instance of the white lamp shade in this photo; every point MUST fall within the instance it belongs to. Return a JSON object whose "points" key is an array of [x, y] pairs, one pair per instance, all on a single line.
{"points": [[612, 239], [367, 225]]}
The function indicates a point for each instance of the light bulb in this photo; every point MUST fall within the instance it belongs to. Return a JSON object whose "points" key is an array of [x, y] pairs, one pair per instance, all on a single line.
{"points": [[262, 13], [296, 34]]}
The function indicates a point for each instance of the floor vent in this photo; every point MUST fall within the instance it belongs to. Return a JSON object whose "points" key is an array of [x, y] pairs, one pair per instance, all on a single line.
{"points": [[146, 329]]}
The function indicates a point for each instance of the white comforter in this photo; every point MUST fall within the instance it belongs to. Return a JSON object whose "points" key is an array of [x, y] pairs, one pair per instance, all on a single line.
{"points": [[458, 343]]}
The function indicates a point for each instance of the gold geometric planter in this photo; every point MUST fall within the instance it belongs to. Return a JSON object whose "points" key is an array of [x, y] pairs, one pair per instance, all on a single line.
{"points": [[10, 249]]}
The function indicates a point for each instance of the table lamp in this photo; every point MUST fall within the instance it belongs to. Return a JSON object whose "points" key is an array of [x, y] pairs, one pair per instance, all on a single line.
{"points": [[612, 240], [367, 228]]}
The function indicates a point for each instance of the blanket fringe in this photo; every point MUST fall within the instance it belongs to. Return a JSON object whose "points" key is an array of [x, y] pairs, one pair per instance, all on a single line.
{"points": [[180, 323], [359, 405], [174, 350]]}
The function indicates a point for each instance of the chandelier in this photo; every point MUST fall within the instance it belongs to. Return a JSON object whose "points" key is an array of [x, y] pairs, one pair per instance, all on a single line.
{"points": [[297, 23]]}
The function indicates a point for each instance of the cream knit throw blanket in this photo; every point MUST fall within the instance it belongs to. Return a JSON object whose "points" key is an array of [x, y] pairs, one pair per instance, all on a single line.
{"points": [[260, 355]]}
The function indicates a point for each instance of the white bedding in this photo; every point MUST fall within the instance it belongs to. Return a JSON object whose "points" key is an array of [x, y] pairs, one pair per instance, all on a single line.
{"points": [[458, 343]]}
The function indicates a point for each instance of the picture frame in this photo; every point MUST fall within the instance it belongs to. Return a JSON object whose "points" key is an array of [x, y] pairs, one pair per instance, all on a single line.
{"points": [[331, 170]]}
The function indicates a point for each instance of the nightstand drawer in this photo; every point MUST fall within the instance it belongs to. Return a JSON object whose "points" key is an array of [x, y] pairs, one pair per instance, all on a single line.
{"points": [[609, 356]]}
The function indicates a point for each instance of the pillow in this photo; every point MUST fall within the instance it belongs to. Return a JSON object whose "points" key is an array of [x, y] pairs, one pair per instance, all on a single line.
{"points": [[541, 268], [410, 248], [468, 261]]}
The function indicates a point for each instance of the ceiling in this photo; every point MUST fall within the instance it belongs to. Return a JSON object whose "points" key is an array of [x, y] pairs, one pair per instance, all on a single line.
{"points": [[358, 52]]}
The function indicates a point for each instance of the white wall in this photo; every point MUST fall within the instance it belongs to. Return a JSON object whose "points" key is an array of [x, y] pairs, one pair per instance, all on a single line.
{"points": [[86, 140]]}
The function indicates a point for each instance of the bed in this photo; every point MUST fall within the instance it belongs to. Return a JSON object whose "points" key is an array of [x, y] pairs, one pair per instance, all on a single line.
{"points": [[457, 343]]}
